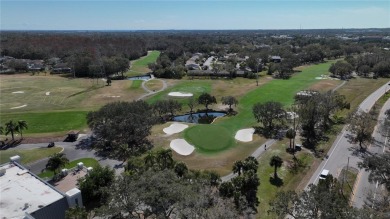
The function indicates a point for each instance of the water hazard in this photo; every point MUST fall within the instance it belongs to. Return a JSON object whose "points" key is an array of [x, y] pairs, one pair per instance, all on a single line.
{"points": [[201, 118]]}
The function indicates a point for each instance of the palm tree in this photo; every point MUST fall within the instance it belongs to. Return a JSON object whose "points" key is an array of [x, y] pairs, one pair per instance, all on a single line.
{"points": [[290, 134], [237, 167], [150, 159], [11, 127], [56, 161], [164, 159], [181, 169], [276, 162], [21, 126]]}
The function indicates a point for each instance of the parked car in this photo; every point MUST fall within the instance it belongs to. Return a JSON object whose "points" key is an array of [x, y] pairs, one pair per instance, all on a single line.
{"points": [[51, 144], [324, 174]]}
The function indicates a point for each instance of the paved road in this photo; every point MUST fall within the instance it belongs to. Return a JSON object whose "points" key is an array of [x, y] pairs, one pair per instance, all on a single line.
{"points": [[73, 151], [379, 146], [341, 150]]}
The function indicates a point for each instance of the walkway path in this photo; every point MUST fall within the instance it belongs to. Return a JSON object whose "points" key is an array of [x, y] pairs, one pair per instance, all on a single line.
{"points": [[256, 154], [150, 92]]}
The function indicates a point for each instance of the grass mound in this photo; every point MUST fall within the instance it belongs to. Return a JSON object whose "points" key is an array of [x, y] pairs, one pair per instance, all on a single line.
{"points": [[209, 138], [28, 156]]}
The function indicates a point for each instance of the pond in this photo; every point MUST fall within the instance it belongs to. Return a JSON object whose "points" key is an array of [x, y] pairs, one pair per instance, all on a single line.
{"points": [[201, 118], [142, 77]]}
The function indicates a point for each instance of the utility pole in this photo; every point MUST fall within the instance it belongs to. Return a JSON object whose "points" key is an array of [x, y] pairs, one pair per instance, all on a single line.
{"points": [[257, 72]]}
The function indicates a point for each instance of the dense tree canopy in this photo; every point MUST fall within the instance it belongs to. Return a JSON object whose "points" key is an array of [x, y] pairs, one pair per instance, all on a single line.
{"points": [[122, 123], [94, 185], [270, 114]]}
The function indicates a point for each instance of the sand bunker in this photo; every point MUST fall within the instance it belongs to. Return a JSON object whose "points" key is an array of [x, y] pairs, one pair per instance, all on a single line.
{"points": [[326, 77], [180, 94], [245, 135], [175, 128], [48, 93], [18, 92], [182, 147], [17, 107]]}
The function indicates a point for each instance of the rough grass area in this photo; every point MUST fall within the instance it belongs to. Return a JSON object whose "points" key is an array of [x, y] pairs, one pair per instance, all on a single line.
{"points": [[88, 162], [290, 175], [348, 179], [53, 122], [358, 89], [154, 84], [140, 66], [28, 156], [208, 138]]}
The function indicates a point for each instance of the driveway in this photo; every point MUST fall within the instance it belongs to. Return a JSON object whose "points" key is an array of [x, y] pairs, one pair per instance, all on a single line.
{"points": [[73, 151]]}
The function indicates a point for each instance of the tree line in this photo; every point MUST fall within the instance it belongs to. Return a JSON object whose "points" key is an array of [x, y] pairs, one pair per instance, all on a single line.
{"points": [[89, 54]]}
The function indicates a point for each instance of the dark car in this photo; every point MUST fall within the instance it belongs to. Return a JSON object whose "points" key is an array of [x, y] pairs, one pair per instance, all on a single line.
{"points": [[51, 144]]}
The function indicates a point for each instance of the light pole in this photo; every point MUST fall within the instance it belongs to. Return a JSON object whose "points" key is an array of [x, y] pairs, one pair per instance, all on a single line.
{"points": [[257, 72]]}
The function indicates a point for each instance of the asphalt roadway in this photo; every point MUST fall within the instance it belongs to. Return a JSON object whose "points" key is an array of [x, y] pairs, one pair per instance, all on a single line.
{"points": [[342, 150]]}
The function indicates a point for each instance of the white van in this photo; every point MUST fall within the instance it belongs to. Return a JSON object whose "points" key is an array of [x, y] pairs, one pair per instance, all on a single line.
{"points": [[324, 174]]}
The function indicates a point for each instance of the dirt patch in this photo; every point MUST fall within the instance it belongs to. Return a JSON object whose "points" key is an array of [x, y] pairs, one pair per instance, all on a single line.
{"points": [[325, 85]]}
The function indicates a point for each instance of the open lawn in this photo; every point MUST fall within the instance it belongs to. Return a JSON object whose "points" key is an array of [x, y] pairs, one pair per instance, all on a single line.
{"points": [[54, 122], [56, 104], [88, 162], [140, 66], [290, 175], [28, 156]]}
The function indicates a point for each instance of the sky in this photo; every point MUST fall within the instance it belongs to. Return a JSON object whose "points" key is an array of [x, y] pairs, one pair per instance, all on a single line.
{"points": [[192, 15]]}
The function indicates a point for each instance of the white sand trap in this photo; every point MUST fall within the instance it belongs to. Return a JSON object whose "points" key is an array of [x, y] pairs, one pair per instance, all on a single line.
{"points": [[182, 147], [17, 107], [18, 92], [180, 94], [48, 93], [245, 135], [175, 128]]}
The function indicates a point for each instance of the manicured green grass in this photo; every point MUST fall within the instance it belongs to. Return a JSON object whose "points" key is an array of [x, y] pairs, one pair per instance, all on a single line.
{"points": [[194, 87], [49, 122], [209, 138], [88, 162], [276, 90], [136, 84], [140, 66], [28, 156]]}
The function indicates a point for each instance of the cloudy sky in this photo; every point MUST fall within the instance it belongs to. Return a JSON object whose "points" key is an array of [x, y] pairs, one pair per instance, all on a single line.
{"points": [[185, 14]]}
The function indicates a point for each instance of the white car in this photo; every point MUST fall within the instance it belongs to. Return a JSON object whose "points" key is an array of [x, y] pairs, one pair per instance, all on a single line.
{"points": [[324, 174]]}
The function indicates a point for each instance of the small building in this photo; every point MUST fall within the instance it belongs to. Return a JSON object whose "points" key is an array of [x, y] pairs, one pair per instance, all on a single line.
{"points": [[25, 195], [276, 59]]}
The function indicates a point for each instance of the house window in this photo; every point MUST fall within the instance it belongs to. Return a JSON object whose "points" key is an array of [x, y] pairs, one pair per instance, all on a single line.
{"points": [[77, 201]]}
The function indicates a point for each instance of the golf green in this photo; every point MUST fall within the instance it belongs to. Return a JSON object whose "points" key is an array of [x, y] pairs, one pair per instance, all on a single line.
{"points": [[209, 138]]}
